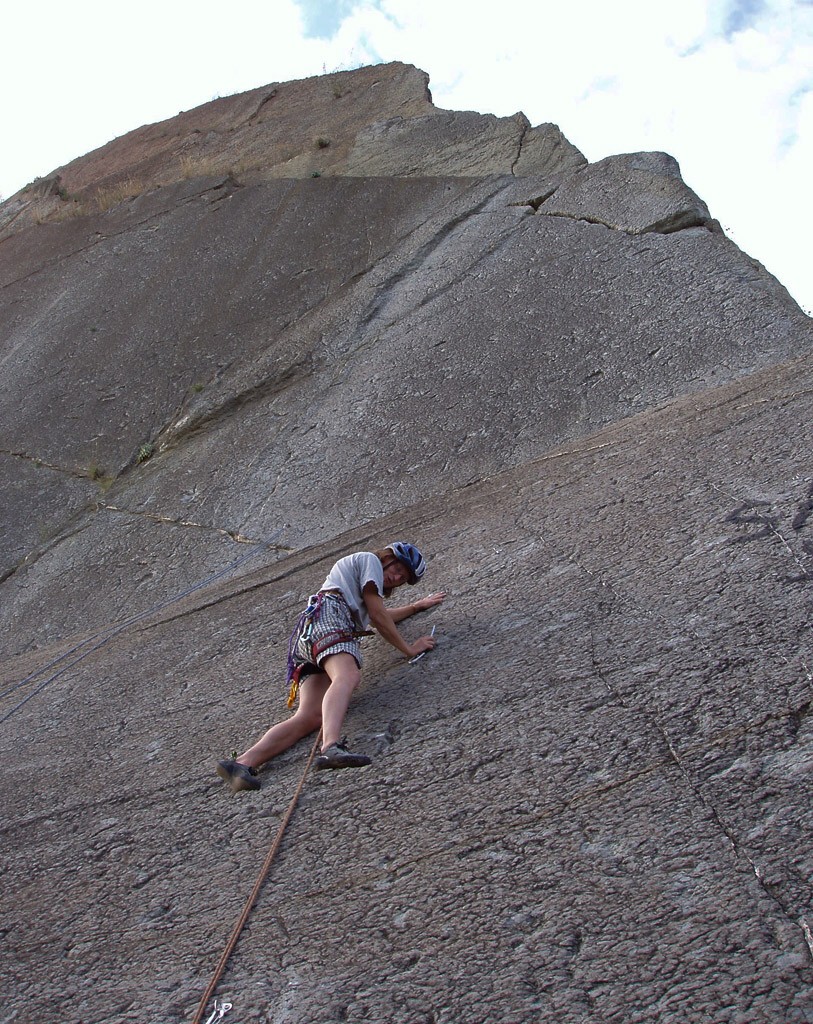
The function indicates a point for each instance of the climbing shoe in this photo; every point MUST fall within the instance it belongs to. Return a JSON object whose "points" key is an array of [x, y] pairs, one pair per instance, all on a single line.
{"points": [[338, 756], [239, 776]]}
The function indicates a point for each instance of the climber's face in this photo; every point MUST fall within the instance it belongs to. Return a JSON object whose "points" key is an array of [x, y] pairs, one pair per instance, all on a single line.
{"points": [[395, 574]]}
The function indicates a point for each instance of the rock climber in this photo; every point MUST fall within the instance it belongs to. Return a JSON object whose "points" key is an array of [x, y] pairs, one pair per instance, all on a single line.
{"points": [[324, 655]]}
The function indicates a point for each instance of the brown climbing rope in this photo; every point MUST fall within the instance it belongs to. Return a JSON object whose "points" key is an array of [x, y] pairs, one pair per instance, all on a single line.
{"points": [[255, 892]]}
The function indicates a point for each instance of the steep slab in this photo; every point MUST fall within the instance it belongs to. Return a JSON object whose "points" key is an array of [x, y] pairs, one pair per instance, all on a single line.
{"points": [[592, 799], [339, 349], [589, 409]]}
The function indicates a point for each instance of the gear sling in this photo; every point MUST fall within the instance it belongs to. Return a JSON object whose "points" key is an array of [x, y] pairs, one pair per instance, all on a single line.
{"points": [[303, 631]]}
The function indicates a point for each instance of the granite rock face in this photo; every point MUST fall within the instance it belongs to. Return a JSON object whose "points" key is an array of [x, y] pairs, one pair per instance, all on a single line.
{"points": [[637, 192], [592, 801], [463, 144]]}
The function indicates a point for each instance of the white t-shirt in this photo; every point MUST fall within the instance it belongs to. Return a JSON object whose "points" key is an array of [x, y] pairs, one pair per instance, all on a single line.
{"points": [[350, 574]]}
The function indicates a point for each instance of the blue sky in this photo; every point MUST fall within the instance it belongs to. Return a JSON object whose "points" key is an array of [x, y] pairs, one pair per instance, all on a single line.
{"points": [[725, 86]]}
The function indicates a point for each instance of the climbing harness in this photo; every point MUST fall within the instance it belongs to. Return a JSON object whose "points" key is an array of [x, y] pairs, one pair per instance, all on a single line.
{"points": [[303, 631], [255, 892]]}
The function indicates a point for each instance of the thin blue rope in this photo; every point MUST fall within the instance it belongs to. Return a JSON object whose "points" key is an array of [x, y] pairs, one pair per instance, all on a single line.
{"points": [[111, 631]]}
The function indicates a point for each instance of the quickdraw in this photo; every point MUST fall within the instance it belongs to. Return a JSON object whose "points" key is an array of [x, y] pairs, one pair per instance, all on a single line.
{"points": [[219, 1012], [303, 631], [294, 689]]}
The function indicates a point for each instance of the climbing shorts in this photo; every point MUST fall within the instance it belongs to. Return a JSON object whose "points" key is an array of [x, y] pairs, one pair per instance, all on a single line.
{"points": [[334, 618]]}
